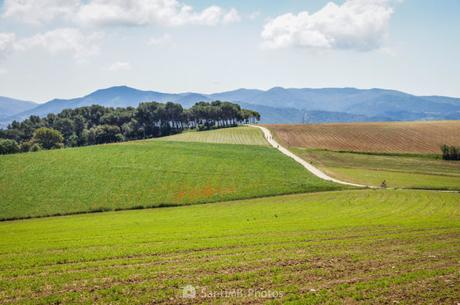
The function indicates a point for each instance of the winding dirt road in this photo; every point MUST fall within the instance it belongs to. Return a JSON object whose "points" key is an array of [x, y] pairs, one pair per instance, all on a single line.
{"points": [[314, 170]]}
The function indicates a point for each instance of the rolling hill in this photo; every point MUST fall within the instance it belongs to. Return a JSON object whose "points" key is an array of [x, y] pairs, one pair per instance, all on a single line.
{"points": [[372, 102], [279, 105], [120, 96], [334, 246], [10, 107], [149, 173]]}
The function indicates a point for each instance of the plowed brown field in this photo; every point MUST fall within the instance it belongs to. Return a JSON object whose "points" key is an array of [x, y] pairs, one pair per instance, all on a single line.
{"points": [[394, 137]]}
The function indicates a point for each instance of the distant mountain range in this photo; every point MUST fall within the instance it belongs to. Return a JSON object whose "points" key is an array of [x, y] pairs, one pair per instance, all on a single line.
{"points": [[10, 107], [277, 105]]}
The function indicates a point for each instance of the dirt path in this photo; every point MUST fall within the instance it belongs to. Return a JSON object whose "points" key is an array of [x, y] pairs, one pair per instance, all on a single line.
{"points": [[314, 170]]}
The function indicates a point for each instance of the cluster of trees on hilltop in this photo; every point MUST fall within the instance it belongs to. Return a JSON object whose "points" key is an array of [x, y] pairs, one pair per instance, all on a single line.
{"points": [[450, 153], [97, 124]]}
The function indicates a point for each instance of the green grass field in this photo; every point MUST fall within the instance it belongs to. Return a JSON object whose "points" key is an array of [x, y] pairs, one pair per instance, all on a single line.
{"points": [[399, 170], [366, 246], [144, 174], [335, 246], [238, 135]]}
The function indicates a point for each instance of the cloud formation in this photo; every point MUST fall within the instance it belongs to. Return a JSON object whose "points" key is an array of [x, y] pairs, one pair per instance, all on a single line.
{"points": [[71, 40], [40, 11], [356, 24], [232, 16], [7, 42], [117, 12], [75, 18], [144, 12]]}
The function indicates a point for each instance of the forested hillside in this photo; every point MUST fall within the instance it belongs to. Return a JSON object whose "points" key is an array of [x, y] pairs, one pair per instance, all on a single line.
{"points": [[97, 124]]}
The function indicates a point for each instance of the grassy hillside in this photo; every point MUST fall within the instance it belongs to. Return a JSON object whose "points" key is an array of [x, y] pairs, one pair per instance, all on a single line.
{"points": [[411, 171], [373, 247], [400, 137], [144, 174], [238, 135]]}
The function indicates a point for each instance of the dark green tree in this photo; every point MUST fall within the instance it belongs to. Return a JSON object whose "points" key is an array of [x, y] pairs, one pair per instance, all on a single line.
{"points": [[107, 134], [8, 146], [48, 138], [97, 124]]}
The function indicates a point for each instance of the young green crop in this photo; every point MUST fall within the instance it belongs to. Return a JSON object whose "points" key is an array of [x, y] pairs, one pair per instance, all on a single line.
{"points": [[145, 174], [368, 246], [237, 135]]}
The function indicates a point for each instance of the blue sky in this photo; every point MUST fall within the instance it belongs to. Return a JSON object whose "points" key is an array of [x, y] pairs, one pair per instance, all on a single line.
{"points": [[73, 47]]}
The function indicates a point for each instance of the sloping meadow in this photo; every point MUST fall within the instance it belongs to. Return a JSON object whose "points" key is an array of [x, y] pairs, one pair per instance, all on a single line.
{"points": [[144, 174]]}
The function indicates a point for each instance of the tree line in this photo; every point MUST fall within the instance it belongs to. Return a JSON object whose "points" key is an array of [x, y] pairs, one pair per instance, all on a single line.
{"points": [[97, 124], [450, 153]]}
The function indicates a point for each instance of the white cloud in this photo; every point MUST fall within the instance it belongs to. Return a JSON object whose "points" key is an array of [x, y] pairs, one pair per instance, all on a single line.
{"points": [[117, 12], [3, 71], [79, 44], [209, 16], [356, 24], [39, 11], [120, 66], [144, 12], [232, 16], [163, 40], [7, 42]]}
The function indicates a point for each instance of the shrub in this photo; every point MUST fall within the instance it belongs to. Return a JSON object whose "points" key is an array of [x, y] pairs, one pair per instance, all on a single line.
{"points": [[72, 141], [107, 134], [8, 146], [25, 146], [119, 137], [450, 152], [48, 138], [35, 147]]}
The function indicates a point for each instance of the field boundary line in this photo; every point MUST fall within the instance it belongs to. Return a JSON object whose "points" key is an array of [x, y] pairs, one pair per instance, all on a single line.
{"points": [[312, 169]]}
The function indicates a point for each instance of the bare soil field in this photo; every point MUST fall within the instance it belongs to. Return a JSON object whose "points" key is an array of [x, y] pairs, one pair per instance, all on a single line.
{"points": [[387, 137]]}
